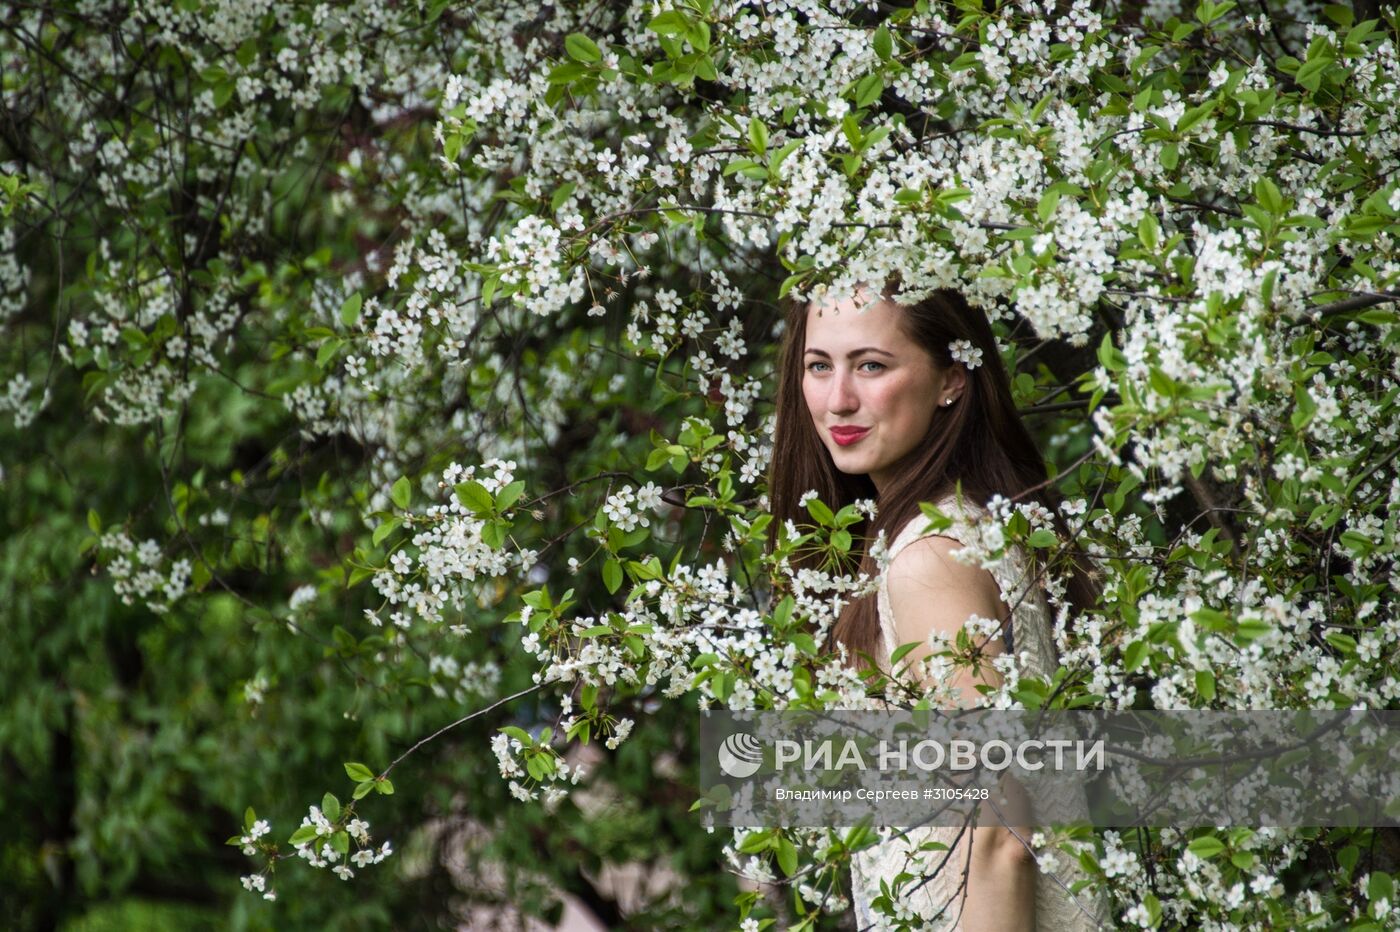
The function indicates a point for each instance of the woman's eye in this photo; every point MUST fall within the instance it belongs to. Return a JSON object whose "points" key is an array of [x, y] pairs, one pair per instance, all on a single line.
{"points": [[816, 367], [870, 362]]}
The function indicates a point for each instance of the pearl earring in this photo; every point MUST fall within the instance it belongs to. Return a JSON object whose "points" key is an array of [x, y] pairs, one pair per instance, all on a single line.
{"points": [[947, 401]]}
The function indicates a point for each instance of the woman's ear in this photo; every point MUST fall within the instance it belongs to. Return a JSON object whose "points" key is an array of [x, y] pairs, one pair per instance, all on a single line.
{"points": [[954, 383]]}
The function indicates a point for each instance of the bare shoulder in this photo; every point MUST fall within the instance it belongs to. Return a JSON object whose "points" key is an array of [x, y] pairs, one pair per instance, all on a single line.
{"points": [[928, 588], [928, 563]]}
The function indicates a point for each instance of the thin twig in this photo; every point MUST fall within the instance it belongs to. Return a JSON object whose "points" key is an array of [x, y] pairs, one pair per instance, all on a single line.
{"points": [[466, 718]]}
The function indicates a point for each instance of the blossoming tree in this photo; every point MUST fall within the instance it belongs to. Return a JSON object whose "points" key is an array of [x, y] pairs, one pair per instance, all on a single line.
{"points": [[435, 347]]}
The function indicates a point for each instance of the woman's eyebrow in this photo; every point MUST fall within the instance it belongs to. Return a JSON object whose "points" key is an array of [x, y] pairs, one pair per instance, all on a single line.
{"points": [[853, 353]]}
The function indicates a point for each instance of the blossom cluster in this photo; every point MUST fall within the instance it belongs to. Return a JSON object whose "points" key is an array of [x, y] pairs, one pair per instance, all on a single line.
{"points": [[143, 571], [321, 849]]}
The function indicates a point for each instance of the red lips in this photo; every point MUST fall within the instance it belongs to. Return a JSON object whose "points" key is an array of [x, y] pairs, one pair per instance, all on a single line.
{"points": [[845, 436]]}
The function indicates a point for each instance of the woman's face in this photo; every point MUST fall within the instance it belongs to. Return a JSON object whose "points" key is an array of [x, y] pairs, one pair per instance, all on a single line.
{"points": [[871, 391]]}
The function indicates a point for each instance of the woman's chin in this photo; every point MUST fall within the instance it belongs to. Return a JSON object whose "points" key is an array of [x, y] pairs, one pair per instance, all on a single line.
{"points": [[849, 463]]}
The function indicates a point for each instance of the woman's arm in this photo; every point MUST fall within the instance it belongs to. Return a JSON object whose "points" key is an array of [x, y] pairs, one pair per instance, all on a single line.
{"points": [[930, 591]]}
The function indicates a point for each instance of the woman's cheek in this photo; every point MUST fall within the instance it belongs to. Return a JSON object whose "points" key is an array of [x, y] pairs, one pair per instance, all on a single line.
{"points": [[881, 397], [812, 398]]}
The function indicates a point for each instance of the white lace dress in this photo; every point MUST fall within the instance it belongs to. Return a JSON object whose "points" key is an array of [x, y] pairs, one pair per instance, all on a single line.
{"points": [[940, 896]]}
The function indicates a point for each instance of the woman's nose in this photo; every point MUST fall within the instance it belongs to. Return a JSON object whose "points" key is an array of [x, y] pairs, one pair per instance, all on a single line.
{"points": [[842, 398]]}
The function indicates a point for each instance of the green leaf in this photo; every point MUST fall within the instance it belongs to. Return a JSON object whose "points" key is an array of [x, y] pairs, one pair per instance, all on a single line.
{"points": [[757, 841], [1110, 356], [1348, 857], [302, 835], [738, 166], [1310, 75], [670, 23], [561, 194], [249, 817], [510, 495], [1169, 156], [1205, 684], [474, 497], [900, 652], [883, 43], [402, 492], [1251, 629], [386, 527], [1269, 196], [1343, 642], [1357, 542], [1207, 846], [698, 35], [1341, 15], [135, 337], [1149, 233], [821, 513], [358, 772], [327, 352], [1042, 538], [581, 48], [1161, 383], [869, 89], [350, 310], [1193, 117], [758, 136], [1048, 202], [1208, 12], [1364, 30], [384, 786], [567, 73], [776, 159], [1134, 655], [330, 807], [493, 534], [1267, 289], [519, 734], [612, 574], [851, 130], [94, 522], [363, 789], [787, 856], [1304, 407]]}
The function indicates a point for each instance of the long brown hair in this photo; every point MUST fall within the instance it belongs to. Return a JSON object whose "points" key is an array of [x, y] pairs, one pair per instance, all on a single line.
{"points": [[977, 443]]}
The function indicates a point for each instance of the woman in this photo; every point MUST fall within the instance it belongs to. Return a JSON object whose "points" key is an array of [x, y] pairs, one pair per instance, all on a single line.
{"points": [[906, 405]]}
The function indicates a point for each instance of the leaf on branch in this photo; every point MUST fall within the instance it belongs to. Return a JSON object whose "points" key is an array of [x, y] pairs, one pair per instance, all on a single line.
{"points": [[475, 498], [350, 310], [402, 492], [582, 49]]}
